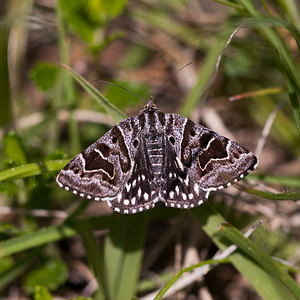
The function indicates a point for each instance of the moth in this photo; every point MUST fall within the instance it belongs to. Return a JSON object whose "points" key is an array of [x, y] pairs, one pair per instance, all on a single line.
{"points": [[153, 157]]}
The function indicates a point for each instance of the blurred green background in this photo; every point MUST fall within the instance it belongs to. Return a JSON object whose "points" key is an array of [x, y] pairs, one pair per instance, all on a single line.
{"points": [[244, 83]]}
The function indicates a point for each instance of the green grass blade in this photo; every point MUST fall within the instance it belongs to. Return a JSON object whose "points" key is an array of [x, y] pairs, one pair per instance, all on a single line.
{"points": [[51, 234], [188, 269], [294, 100], [206, 73], [265, 285], [14, 151], [18, 268], [274, 196], [5, 103], [113, 111], [32, 169], [66, 91], [133, 257], [288, 64], [123, 253], [95, 259], [261, 257], [291, 181]]}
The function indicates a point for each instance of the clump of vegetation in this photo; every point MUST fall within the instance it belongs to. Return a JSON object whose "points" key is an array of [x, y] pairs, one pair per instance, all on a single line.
{"points": [[55, 244]]}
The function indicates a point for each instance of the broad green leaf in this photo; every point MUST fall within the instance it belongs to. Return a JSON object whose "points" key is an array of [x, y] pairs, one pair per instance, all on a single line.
{"points": [[86, 17], [14, 151], [16, 269], [44, 75], [123, 255], [50, 274], [42, 293]]}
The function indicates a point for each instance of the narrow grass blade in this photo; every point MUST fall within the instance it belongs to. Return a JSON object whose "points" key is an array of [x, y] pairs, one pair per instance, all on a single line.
{"points": [[95, 259], [260, 279], [113, 111], [32, 169], [274, 269], [206, 73], [5, 104], [163, 291], [273, 196], [288, 64], [51, 234], [292, 181]]}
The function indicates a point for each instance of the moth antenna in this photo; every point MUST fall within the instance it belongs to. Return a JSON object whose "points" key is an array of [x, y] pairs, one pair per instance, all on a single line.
{"points": [[169, 78], [121, 87]]}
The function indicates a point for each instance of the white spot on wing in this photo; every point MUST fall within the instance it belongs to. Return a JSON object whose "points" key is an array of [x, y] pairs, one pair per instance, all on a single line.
{"points": [[191, 196], [180, 165], [119, 197], [146, 196], [127, 186], [171, 194], [186, 181], [184, 197], [133, 200], [196, 188], [126, 202]]}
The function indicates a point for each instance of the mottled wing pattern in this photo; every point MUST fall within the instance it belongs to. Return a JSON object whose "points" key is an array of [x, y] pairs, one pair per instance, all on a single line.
{"points": [[139, 191], [206, 162], [156, 156], [100, 171], [179, 188]]}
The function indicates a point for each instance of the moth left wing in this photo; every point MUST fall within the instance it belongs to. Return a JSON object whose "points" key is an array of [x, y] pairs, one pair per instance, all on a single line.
{"points": [[100, 171]]}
